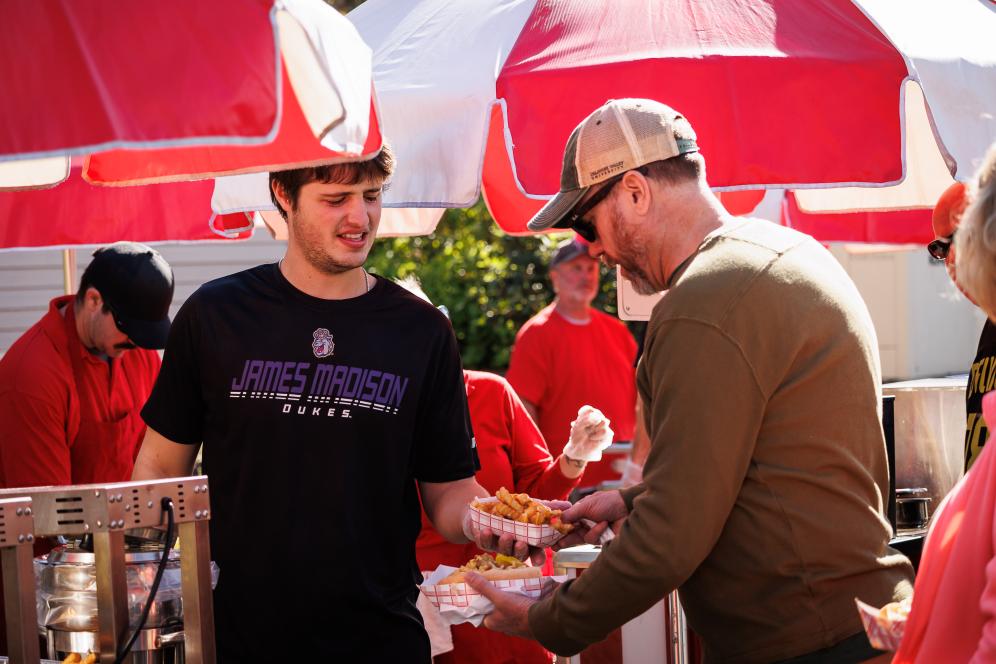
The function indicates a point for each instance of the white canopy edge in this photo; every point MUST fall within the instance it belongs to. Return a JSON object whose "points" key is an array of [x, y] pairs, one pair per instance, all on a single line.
{"points": [[927, 174], [949, 51], [423, 92], [33, 173], [330, 68]]}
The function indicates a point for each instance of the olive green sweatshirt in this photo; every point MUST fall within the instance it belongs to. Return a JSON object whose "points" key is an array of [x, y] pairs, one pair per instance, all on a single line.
{"points": [[763, 494]]}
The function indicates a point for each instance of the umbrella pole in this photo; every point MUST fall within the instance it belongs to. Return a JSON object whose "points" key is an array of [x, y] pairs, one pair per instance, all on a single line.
{"points": [[69, 271]]}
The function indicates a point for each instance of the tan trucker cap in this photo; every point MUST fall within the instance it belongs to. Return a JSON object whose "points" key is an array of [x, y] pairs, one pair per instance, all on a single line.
{"points": [[619, 136]]}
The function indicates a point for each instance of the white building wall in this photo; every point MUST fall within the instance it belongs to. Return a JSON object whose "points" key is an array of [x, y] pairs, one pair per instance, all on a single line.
{"points": [[30, 279]]}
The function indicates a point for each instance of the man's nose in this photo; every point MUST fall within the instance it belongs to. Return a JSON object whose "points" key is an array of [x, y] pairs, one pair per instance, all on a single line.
{"points": [[595, 249]]}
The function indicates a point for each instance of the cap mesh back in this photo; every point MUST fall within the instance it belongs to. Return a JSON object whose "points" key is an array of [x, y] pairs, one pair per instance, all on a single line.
{"points": [[606, 148]]}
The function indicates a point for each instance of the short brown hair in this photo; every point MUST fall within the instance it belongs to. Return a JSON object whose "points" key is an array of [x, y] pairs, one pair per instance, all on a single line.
{"points": [[684, 167], [975, 239], [380, 167]]}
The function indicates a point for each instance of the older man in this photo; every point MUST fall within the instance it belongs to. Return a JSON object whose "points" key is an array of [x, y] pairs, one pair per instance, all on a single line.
{"points": [[570, 355], [762, 499], [982, 376]]}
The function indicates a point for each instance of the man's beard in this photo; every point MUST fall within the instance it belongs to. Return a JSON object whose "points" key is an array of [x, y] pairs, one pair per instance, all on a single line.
{"points": [[310, 244], [325, 263], [632, 257]]}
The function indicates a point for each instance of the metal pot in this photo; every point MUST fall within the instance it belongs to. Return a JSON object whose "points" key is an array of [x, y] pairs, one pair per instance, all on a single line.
{"points": [[67, 604], [153, 646], [912, 509]]}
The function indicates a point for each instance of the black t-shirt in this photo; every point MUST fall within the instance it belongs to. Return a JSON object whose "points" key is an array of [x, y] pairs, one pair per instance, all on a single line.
{"points": [[981, 379], [317, 416]]}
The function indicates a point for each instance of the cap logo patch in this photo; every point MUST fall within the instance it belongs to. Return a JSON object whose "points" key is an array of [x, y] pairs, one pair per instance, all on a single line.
{"points": [[605, 170], [323, 344]]}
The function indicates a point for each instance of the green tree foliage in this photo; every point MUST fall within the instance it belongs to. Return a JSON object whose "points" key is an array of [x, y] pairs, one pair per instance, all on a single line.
{"points": [[490, 282]]}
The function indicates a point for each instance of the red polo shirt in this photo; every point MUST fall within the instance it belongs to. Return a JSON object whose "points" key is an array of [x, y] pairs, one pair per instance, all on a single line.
{"points": [[514, 455], [559, 366], [66, 416]]}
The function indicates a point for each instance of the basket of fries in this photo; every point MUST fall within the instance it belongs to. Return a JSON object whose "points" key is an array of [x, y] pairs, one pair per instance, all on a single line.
{"points": [[520, 516], [885, 626]]}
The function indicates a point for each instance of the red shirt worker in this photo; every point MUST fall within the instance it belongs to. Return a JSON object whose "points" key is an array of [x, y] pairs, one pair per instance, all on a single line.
{"points": [[570, 354], [72, 386]]}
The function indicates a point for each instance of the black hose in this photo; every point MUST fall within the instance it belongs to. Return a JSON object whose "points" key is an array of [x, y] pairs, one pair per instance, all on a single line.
{"points": [[167, 505]]}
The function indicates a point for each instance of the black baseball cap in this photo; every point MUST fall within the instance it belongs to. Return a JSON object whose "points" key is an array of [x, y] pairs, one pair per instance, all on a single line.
{"points": [[136, 284]]}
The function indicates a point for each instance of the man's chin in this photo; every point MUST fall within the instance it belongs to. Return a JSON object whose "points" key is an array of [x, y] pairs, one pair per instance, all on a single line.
{"points": [[639, 283]]}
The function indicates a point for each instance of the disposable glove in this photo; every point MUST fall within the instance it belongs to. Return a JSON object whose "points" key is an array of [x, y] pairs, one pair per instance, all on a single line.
{"points": [[590, 434]]}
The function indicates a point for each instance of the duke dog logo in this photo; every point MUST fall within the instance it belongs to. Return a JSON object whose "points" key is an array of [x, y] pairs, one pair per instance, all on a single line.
{"points": [[323, 344]]}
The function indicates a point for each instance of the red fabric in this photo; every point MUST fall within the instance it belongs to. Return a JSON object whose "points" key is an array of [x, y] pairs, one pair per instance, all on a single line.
{"points": [[779, 92], [558, 367], [63, 426], [294, 146], [509, 206], [954, 600], [898, 227], [97, 73], [76, 213], [513, 455]]}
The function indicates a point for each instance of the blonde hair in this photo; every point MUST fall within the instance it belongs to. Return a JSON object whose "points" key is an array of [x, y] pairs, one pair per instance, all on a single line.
{"points": [[975, 240]]}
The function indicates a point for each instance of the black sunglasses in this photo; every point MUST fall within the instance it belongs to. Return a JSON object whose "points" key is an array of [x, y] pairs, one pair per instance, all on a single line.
{"points": [[939, 249], [576, 220]]}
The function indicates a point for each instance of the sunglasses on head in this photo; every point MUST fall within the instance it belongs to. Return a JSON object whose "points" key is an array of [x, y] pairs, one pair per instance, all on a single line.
{"points": [[939, 249], [577, 222]]}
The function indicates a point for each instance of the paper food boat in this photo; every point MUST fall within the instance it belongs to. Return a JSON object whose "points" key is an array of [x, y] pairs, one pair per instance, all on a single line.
{"points": [[534, 535], [885, 626], [458, 602]]}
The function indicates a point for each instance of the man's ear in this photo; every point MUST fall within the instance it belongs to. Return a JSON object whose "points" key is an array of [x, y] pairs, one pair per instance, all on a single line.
{"points": [[281, 195], [638, 192], [92, 299]]}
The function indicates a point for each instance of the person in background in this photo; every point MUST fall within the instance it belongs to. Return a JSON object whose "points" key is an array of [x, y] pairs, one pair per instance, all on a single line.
{"points": [[763, 495], [570, 354], [953, 618], [982, 376], [513, 455], [72, 386]]}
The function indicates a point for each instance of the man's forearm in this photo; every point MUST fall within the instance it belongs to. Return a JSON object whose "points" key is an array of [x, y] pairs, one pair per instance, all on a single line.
{"points": [[160, 457], [447, 503]]}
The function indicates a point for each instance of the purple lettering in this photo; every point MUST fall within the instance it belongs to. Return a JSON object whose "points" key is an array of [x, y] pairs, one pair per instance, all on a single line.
{"points": [[398, 391], [300, 377], [285, 375], [252, 376], [352, 385], [384, 390], [338, 378], [242, 380], [370, 385]]}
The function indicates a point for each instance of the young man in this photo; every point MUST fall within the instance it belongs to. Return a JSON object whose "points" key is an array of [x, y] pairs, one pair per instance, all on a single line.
{"points": [[762, 499], [570, 355], [326, 400]]}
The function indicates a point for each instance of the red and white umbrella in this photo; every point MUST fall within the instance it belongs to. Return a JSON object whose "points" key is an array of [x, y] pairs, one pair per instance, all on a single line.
{"points": [[481, 96], [171, 95]]}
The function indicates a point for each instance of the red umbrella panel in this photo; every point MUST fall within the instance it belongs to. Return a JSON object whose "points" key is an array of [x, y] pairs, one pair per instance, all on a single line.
{"points": [[79, 77], [155, 213], [323, 99], [790, 95]]}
